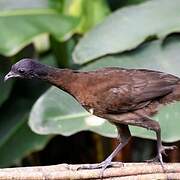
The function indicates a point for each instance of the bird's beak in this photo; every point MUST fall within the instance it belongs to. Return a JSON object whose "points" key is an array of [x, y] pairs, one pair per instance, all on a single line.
{"points": [[10, 75]]}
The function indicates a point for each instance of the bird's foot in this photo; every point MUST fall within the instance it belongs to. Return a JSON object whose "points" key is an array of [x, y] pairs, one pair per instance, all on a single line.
{"points": [[161, 150], [103, 165]]}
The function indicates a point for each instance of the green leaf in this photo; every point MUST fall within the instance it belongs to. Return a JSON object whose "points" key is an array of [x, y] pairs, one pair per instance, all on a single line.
{"points": [[127, 28], [20, 27], [55, 112], [23, 4], [151, 55], [17, 140], [90, 12]]}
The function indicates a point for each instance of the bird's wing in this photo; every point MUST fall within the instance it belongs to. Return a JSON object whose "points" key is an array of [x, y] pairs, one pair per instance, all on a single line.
{"points": [[142, 87], [148, 85]]}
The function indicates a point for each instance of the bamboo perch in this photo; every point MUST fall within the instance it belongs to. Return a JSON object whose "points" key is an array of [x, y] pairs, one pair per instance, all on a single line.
{"points": [[127, 171]]}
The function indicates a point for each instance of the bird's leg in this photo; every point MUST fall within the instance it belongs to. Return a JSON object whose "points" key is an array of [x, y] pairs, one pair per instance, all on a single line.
{"points": [[154, 125], [161, 149], [124, 137]]}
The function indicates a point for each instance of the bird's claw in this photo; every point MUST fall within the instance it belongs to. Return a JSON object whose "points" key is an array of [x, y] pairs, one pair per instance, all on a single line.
{"points": [[103, 165], [161, 150], [155, 159]]}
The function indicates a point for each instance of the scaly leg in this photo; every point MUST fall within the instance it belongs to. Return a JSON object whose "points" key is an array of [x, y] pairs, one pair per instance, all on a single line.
{"points": [[161, 149], [124, 137], [154, 125]]}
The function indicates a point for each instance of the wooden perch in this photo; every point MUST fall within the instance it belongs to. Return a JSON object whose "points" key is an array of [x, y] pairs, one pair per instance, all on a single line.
{"points": [[130, 171]]}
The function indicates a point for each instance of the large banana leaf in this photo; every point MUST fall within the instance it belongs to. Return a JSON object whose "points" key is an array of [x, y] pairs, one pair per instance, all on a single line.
{"points": [[128, 27], [20, 27]]}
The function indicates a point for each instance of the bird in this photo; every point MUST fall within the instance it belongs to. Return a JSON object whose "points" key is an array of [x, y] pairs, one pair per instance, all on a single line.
{"points": [[122, 96]]}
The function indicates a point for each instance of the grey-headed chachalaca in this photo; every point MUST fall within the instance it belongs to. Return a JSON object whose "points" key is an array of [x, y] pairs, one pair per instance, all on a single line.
{"points": [[122, 96]]}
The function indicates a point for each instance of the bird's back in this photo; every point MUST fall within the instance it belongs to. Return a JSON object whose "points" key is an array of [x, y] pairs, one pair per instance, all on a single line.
{"points": [[117, 90]]}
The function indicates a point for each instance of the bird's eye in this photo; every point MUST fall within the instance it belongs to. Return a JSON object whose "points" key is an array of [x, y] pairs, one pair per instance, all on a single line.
{"points": [[21, 71]]}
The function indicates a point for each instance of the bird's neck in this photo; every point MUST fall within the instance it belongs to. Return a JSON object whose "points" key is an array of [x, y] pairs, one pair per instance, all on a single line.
{"points": [[62, 78]]}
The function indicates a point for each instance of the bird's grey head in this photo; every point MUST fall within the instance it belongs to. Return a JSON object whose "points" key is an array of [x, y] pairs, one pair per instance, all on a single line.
{"points": [[27, 68]]}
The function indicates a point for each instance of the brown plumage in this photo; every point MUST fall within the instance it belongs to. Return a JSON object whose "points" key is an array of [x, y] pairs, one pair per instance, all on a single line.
{"points": [[122, 96]]}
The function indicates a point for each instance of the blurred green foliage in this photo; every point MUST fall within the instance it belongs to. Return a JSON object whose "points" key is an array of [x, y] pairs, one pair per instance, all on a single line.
{"points": [[137, 36]]}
